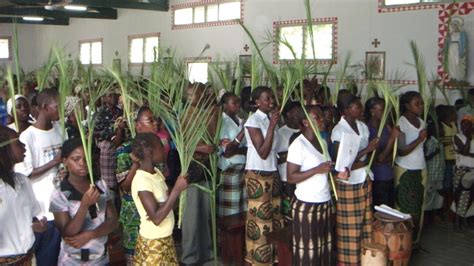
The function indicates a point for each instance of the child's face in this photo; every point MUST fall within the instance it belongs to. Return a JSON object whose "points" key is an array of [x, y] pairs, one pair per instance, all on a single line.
{"points": [[233, 105], [466, 126], [377, 111], [328, 117], [147, 123], [76, 162], [355, 110], [22, 109], [416, 106], [265, 102], [317, 117], [52, 109]]}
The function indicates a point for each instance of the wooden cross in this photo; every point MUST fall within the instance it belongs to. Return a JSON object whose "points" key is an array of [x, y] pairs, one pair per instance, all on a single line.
{"points": [[376, 43], [246, 48]]}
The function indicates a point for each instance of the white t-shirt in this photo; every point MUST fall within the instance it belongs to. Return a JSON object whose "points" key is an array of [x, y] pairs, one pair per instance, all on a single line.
{"points": [[17, 208], [462, 160], [41, 147], [230, 130], [283, 142], [357, 176], [261, 121], [416, 159], [316, 188]]}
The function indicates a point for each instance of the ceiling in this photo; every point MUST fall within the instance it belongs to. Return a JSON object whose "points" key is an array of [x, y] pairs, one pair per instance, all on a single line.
{"points": [[55, 12]]}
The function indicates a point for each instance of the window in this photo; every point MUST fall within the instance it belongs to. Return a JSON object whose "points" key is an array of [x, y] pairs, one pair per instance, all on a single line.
{"points": [[6, 48], [294, 40], [143, 48], [213, 13], [90, 52], [198, 72]]}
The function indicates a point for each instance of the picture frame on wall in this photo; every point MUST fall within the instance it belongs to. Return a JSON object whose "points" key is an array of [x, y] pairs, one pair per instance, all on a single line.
{"points": [[375, 65], [246, 65]]}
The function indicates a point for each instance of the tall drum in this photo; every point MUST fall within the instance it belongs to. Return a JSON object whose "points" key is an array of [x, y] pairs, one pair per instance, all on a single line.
{"points": [[396, 235]]}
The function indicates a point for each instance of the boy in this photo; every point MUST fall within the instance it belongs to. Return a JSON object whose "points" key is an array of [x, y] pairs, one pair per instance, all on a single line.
{"points": [[43, 141]]}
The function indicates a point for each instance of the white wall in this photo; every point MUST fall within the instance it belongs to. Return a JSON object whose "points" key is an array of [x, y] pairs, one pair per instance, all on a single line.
{"points": [[358, 20]]}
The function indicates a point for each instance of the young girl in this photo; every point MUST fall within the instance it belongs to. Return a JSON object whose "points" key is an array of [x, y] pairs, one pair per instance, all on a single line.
{"points": [[18, 204], [312, 210], [410, 168], [383, 190], [463, 179], [261, 179], [22, 109], [155, 244], [126, 169], [354, 207], [231, 197], [83, 213]]}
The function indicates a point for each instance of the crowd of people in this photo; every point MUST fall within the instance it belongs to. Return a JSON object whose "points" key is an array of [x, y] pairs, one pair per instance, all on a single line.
{"points": [[274, 166]]}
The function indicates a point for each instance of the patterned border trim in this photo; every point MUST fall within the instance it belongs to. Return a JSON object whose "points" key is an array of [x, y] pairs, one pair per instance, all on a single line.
{"points": [[205, 24], [396, 82], [202, 59], [444, 13], [277, 24], [382, 8]]}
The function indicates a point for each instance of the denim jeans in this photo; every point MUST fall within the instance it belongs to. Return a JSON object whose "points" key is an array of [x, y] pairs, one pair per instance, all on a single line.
{"points": [[47, 246]]}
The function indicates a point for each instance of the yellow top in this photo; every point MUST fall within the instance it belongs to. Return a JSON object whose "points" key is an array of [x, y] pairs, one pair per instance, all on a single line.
{"points": [[449, 132], [154, 183]]}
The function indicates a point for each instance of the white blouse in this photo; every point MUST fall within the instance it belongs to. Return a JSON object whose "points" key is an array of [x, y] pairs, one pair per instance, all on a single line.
{"points": [[314, 189], [17, 208], [416, 159], [357, 176], [230, 130], [261, 121], [283, 142], [462, 160]]}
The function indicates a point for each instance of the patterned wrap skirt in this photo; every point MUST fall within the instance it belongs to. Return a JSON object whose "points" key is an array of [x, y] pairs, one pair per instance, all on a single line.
{"points": [[313, 233], [354, 219], [150, 252], [231, 194], [130, 221], [410, 195], [18, 260], [263, 216], [463, 190]]}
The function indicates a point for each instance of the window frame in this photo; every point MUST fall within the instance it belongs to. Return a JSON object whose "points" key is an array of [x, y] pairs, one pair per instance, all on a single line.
{"points": [[142, 36], [383, 8], [188, 60], [10, 48], [206, 23], [293, 23], [90, 41]]}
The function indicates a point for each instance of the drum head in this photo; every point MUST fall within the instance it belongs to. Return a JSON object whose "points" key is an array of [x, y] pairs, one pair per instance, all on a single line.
{"points": [[387, 218]]}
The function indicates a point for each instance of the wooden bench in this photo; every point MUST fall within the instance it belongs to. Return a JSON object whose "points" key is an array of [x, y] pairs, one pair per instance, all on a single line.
{"points": [[282, 240], [232, 236]]}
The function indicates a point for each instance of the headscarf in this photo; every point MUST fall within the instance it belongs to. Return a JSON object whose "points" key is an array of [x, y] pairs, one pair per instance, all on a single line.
{"points": [[10, 103]]}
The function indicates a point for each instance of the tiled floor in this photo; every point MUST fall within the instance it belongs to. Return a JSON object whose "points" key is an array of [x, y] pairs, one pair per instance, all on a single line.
{"points": [[443, 246]]}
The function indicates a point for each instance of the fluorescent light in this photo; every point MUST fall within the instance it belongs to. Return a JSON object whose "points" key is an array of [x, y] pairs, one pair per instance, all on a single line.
{"points": [[75, 8], [33, 18]]}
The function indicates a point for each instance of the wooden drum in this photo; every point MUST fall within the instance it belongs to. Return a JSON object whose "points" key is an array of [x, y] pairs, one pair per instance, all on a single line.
{"points": [[396, 235], [373, 255]]}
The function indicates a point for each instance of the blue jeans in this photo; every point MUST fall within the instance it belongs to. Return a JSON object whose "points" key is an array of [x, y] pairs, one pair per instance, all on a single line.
{"points": [[47, 246]]}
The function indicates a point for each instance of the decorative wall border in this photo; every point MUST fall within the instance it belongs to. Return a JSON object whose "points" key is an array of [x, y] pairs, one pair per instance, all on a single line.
{"points": [[205, 24], [277, 24], [395, 82], [202, 59], [444, 13], [382, 8], [10, 48]]}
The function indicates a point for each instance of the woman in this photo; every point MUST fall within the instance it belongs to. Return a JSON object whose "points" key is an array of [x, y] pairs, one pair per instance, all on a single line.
{"points": [[383, 191], [261, 179], [231, 197], [312, 209], [464, 171], [354, 207], [410, 168], [22, 109], [18, 205], [84, 213]]}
